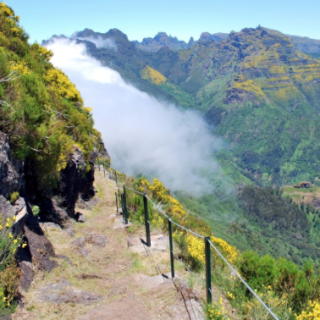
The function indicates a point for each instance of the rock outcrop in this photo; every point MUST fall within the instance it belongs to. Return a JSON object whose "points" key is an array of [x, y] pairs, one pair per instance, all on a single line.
{"points": [[77, 179], [11, 171], [304, 184], [15, 176]]}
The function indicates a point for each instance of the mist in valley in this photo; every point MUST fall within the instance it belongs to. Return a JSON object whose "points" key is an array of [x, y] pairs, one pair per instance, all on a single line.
{"points": [[142, 134]]}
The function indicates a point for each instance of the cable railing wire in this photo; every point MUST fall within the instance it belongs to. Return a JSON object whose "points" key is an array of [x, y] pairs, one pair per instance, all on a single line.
{"points": [[223, 258], [135, 191], [188, 230], [241, 279], [188, 269], [211, 244]]}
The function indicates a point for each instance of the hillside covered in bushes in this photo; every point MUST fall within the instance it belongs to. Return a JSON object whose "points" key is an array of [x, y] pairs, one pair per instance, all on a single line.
{"points": [[41, 111], [48, 147]]}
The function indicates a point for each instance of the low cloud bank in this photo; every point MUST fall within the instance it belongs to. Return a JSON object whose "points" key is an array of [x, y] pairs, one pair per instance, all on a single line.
{"points": [[142, 134], [101, 43]]}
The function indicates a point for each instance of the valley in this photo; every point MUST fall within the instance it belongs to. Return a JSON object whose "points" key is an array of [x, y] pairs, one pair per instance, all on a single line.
{"points": [[260, 93]]}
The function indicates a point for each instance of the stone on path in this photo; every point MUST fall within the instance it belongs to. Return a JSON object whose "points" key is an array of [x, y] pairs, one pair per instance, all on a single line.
{"points": [[122, 309], [119, 224], [97, 240], [158, 243], [63, 292], [79, 246], [80, 217]]}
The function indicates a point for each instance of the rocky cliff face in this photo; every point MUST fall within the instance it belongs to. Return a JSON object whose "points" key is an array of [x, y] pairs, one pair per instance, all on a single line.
{"points": [[11, 171], [76, 182]]}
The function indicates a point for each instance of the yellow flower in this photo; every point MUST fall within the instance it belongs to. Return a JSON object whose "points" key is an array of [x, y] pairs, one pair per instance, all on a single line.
{"points": [[15, 241], [4, 299], [8, 225], [14, 218], [0, 227], [24, 245]]}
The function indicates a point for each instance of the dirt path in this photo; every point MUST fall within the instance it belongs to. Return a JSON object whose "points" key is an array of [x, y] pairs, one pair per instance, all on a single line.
{"points": [[100, 277]]}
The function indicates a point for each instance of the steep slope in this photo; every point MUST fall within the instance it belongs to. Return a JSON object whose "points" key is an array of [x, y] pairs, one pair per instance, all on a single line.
{"points": [[260, 92], [48, 147], [307, 45]]}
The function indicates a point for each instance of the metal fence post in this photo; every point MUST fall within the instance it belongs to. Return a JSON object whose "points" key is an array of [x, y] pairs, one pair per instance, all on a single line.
{"points": [[117, 202], [171, 248], [208, 269], [125, 212], [146, 220], [121, 195]]}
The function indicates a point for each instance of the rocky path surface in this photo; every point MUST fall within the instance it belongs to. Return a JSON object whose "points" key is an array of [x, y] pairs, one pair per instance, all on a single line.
{"points": [[104, 275]]}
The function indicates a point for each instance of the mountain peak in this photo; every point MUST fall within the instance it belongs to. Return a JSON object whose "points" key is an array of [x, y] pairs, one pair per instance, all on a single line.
{"points": [[161, 35], [159, 41]]}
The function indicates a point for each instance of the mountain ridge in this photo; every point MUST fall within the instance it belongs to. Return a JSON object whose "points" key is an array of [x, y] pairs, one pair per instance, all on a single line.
{"points": [[255, 87]]}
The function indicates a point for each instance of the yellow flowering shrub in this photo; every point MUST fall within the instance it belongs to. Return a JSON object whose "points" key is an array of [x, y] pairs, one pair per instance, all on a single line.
{"points": [[20, 67], [62, 84], [312, 311], [159, 192], [196, 248], [157, 221], [230, 251], [87, 109], [175, 208], [153, 75], [254, 310], [9, 272], [217, 311], [7, 11], [251, 86]]}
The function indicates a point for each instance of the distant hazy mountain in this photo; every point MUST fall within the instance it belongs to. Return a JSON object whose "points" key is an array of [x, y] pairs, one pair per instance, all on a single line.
{"points": [[163, 40], [307, 45], [304, 44]]}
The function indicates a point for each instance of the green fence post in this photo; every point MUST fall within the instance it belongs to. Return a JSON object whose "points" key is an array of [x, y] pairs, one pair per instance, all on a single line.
{"points": [[117, 202], [146, 220], [125, 212], [171, 248], [116, 177], [121, 195], [208, 269]]}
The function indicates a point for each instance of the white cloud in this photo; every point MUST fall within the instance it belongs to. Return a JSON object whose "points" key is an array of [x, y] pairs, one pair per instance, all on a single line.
{"points": [[101, 43], [142, 134]]}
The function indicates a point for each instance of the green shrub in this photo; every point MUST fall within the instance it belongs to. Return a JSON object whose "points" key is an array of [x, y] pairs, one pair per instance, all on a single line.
{"points": [[257, 271], [14, 196], [9, 272], [35, 210]]}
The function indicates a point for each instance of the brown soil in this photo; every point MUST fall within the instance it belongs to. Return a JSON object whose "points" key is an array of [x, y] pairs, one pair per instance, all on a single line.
{"points": [[129, 283]]}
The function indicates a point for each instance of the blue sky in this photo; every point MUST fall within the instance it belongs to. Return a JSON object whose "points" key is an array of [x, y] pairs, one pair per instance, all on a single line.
{"points": [[142, 18]]}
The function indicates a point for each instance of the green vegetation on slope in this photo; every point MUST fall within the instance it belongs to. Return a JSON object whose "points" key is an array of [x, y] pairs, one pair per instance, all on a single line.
{"points": [[40, 109], [43, 115], [282, 284], [258, 91]]}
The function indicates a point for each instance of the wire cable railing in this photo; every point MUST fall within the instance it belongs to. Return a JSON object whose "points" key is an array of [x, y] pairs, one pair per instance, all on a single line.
{"points": [[207, 240]]}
